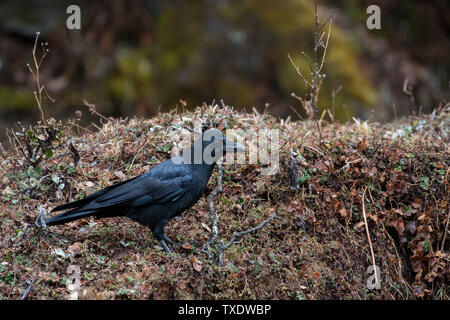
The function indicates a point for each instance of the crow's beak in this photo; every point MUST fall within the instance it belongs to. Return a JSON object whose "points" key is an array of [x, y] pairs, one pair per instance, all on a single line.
{"points": [[234, 147]]}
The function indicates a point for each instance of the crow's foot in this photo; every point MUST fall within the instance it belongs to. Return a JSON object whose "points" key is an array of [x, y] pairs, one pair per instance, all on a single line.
{"points": [[173, 243]]}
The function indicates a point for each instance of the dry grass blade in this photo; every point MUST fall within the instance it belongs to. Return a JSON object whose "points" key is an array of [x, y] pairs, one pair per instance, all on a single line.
{"points": [[377, 280]]}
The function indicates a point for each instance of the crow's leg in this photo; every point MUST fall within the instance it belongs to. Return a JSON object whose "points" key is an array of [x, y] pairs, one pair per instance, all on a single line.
{"points": [[180, 244], [163, 243], [173, 243], [160, 235], [162, 238]]}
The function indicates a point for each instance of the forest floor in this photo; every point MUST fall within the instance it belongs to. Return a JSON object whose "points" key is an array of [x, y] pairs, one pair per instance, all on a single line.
{"points": [[368, 194]]}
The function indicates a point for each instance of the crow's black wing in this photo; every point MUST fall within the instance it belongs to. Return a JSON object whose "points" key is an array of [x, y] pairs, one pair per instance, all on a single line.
{"points": [[147, 189], [82, 202], [163, 183]]}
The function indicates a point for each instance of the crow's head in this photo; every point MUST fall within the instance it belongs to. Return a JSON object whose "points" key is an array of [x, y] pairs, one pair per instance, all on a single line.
{"points": [[215, 145]]}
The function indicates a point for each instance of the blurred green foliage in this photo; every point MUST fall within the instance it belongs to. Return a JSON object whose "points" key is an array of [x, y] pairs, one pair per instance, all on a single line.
{"points": [[237, 50], [16, 99], [134, 57]]}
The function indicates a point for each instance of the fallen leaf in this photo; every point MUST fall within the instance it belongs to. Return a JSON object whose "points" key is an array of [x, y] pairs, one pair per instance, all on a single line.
{"points": [[197, 265], [75, 248], [89, 184], [359, 225], [206, 227], [399, 225], [417, 203], [120, 175]]}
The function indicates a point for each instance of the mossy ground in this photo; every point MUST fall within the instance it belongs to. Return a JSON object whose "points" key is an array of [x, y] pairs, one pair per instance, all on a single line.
{"points": [[317, 247]]}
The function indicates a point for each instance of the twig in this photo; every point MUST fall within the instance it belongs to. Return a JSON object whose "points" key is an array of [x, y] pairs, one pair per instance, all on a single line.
{"points": [[293, 173], [307, 83], [325, 47], [333, 98], [14, 145], [315, 87], [27, 290], [79, 127], [368, 238], [93, 110], [314, 149], [35, 74], [445, 232], [237, 235], [218, 190], [316, 65], [400, 276], [215, 229], [295, 111]]}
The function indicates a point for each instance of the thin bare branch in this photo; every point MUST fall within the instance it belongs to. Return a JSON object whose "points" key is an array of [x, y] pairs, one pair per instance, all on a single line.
{"points": [[215, 229], [238, 235], [307, 83], [35, 74], [293, 109], [368, 237], [27, 290], [319, 41], [93, 110], [306, 56], [47, 94], [325, 48]]}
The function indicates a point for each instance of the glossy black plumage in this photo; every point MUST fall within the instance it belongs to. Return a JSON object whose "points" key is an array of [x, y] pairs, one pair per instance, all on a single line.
{"points": [[152, 198]]}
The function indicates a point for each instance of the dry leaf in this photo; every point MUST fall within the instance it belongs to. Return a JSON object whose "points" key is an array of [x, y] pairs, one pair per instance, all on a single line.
{"points": [[75, 248], [120, 175], [197, 265], [206, 227]]}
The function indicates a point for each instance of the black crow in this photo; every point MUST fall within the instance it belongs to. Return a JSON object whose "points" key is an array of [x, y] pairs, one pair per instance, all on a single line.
{"points": [[161, 193]]}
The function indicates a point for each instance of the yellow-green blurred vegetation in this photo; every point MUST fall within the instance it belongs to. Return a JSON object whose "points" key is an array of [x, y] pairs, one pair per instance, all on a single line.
{"points": [[138, 57]]}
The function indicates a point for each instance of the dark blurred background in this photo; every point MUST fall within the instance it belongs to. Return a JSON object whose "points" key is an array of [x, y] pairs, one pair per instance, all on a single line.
{"points": [[135, 57]]}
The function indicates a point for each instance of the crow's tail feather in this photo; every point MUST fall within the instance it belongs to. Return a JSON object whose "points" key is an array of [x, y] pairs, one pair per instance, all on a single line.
{"points": [[70, 216], [90, 198], [70, 205]]}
